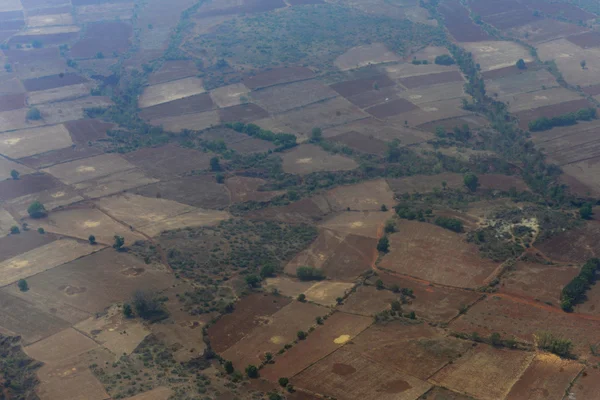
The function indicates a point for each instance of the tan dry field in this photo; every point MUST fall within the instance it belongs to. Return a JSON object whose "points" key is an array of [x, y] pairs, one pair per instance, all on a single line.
{"points": [[548, 377], [159, 393], [89, 168], [429, 53], [244, 189], [281, 98], [591, 305], [362, 56], [568, 56], [473, 121], [530, 81], [61, 346], [326, 292], [368, 301], [586, 386], [115, 183], [375, 129], [6, 222], [366, 196], [173, 70], [434, 111], [230, 95], [486, 373], [337, 330], [406, 70], [532, 100], [168, 161], [575, 245], [586, 172], [196, 121], [59, 94], [348, 375], [200, 191], [83, 222], [570, 144], [363, 223], [425, 183], [16, 119], [276, 331], [43, 258], [186, 338], [290, 287], [440, 393], [50, 198], [493, 55], [435, 254], [49, 20], [545, 30], [169, 91], [28, 142], [434, 93], [71, 110], [308, 158]]}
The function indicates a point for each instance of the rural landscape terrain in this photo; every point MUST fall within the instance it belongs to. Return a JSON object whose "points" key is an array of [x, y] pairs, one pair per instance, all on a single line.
{"points": [[299, 199]]}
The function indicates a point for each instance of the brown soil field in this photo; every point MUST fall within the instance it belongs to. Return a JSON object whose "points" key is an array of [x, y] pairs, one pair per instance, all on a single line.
{"points": [[473, 121], [244, 189], [544, 283], [37, 324], [501, 182], [567, 56], [544, 30], [368, 301], [362, 56], [391, 108], [28, 142], [198, 191], [493, 55], [593, 90], [195, 121], [70, 110], [281, 98], [470, 374], [173, 70], [276, 76], [550, 111], [522, 319], [276, 331], [52, 199], [83, 222], [308, 158], [10, 102], [41, 259], [565, 10], [106, 37], [548, 377], [50, 158], [16, 119], [58, 347], [308, 210], [159, 393], [586, 386], [169, 160], [250, 312], [512, 87], [11, 86], [48, 38], [187, 105], [591, 305], [440, 393], [434, 111], [373, 128], [52, 82], [6, 166], [89, 168], [242, 113], [432, 253], [432, 79], [425, 95], [319, 251], [115, 183], [582, 177], [416, 349], [287, 286], [52, 10], [573, 246], [81, 288], [238, 142], [49, 19], [375, 97], [87, 130], [459, 23], [362, 223], [13, 245], [571, 144], [365, 196], [540, 99], [348, 375], [230, 95], [71, 92], [6, 222], [326, 293], [509, 71], [362, 143], [337, 330], [11, 189], [173, 90], [358, 86], [513, 18], [246, 6]]}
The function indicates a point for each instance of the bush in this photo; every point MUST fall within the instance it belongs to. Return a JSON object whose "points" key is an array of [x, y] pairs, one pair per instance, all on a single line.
{"points": [[14, 174], [574, 292], [23, 285], [14, 230], [452, 224], [36, 210], [383, 245], [119, 242], [305, 273], [390, 227], [544, 123], [444, 59], [252, 371], [229, 367], [267, 271], [253, 280], [215, 165], [41, 231], [220, 178], [127, 310], [34, 114], [283, 382], [148, 306], [92, 239], [301, 297], [585, 212], [521, 64], [301, 335], [559, 346]]}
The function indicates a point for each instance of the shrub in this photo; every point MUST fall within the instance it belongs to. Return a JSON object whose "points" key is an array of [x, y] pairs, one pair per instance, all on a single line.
{"points": [[23, 285], [229, 367], [119, 242], [471, 181], [301, 297], [33, 114], [127, 310], [452, 224], [36, 210], [14, 174], [253, 280], [379, 284], [444, 59], [283, 382], [585, 212], [390, 227], [383, 245], [92, 239], [495, 339], [384, 208], [14, 230], [41, 231], [574, 292], [215, 165], [148, 306], [521, 64], [301, 335], [559, 346], [305, 273], [267, 271], [220, 178], [252, 371]]}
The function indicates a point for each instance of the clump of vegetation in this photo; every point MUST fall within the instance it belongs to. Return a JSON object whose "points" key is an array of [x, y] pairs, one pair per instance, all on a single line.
{"points": [[34, 114], [471, 181], [586, 211], [383, 245], [252, 371], [306, 273], [118, 244], [281, 140], [574, 292], [37, 210], [452, 224], [23, 285], [521, 64], [554, 344], [14, 174], [544, 123], [15, 230], [444, 59], [148, 306], [17, 371], [92, 239]]}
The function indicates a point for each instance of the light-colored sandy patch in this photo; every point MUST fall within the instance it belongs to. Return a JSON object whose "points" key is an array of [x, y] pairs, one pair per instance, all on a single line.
{"points": [[70, 92], [326, 292], [429, 112], [230, 95], [190, 219], [428, 94], [361, 56], [6, 222], [159, 393], [89, 168], [61, 346], [49, 30], [308, 158], [568, 56], [493, 55], [341, 339], [36, 21], [367, 223], [197, 121], [28, 142], [105, 11], [6, 166], [169, 91], [43, 258]]}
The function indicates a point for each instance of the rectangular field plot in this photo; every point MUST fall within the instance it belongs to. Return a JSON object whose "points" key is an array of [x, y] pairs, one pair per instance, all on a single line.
{"points": [[59, 94], [362, 56], [431, 79], [277, 99], [169, 160], [550, 111], [373, 128], [570, 144], [363, 223], [53, 157], [187, 105], [276, 76], [13, 101], [28, 184], [41, 259], [308, 158], [194, 121], [391, 108], [88, 130], [172, 71], [52, 82], [568, 56], [428, 112], [435, 254], [545, 30], [6, 166], [169, 91], [493, 55], [89, 168], [230, 95], [429, 94], [347, 375], [358, 86], [242, 113], [200, 191], [366, 196], [530, 81], [107, 37], [70, 110], [52, 199], [28, 142], [6, 222], [460, 24], [541, 98]]}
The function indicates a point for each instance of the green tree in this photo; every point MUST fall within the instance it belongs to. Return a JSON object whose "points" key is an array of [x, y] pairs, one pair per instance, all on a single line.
{"points": [[23, 285], [316, 135], [36, 210], [305, 273], [283, 382], [444, 59], [390, 227], [229, 367], [384, 208], [37, 44], [521, 64], [14, 174], [127, 310], [34, 114], [252, 371], [586, 212], [220, 178], [379, 284], [99, 55], [583, 63], [92, 239], [119, 242], [267, 271], [253, 280], [301, 297], [301, 335], [495, 339], [471, 181], [396, 306], [215, 165], [41, 231], [14, 230], [383, 245], [148, 306]]}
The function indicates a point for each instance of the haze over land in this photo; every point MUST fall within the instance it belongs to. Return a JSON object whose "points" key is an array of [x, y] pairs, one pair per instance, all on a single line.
{"points": [[299, 199]]}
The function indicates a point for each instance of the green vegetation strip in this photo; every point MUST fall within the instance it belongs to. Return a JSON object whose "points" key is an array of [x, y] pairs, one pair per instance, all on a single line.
{"points": [[574, 292]]}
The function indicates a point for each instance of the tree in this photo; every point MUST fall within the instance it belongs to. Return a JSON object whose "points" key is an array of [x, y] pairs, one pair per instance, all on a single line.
{"points": [[34, 114], [396, 306], [585, 212], [220, 178], [14, 230], [444, 59], [301, 335], [283, 382], [412, 315], [215, 165], [384, 208], [583, 63], [390, 227], [305, 273], [127, 310], [252, 371], [267, 271], [268, 356], [148, 306], [383, 245], [41, 231], [471, 181], [301, 297], [23, 285], [92, 239], [316, 135], [14, 174], [37, 44], [379, 284], [495, 339], [521, 64], [99, 55], [229, 367], [319, 320], [253, 280], [119, 243], [36, 210]]}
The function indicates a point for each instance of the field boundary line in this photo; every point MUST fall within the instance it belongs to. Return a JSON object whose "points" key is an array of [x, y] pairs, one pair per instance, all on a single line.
{"points": [[568, 389], [477, 301]]}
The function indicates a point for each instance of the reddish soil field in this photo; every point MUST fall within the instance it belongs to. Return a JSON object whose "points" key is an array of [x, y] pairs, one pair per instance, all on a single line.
{"points": [[198, 191], [425, 183], [337, 330], [504, 72], [103, 37], [249, 6], [308, 210], [52, 81], [278, 75], [30, 56], [486, 8], [511, 19], [460, 24], [168, 160], [10, 102], [391, 108], [586, 40], [13, 245], [586, 386], [47, 40], [247, 189], [368, 301], [351, 258], [501, 182], [593, 90], [239, 142], [242, 113], [573, 246], [192, 104], [431, 79], [250, 312], [87, 130], [58, 156], [351, 88], [473, 121], [440, 393], [559, 9], [373, 97], [173, 70], [11, 189], [550, 111], [362, 143]]}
